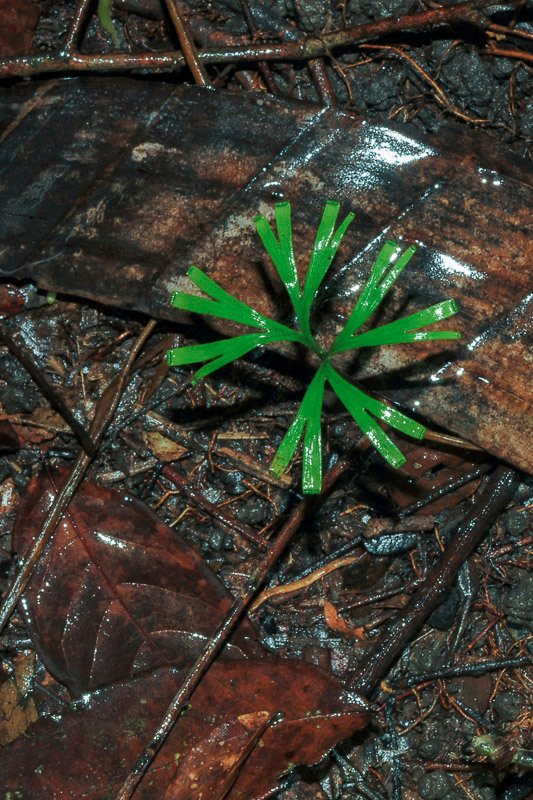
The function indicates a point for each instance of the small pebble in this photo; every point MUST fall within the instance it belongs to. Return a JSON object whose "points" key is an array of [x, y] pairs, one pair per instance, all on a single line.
{"points": [[312, 15], [443, 616], [252, 512], [507, 706], [519, 602], [516, 522], [436, 786], [428, 654], [377, 9]]}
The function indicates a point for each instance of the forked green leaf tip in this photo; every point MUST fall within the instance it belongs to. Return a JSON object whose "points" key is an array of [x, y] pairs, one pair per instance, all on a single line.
{"points": [[397, 463]]}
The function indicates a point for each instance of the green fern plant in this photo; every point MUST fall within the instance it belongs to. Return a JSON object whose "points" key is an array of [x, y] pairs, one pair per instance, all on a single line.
{"points": [[365, 410]]}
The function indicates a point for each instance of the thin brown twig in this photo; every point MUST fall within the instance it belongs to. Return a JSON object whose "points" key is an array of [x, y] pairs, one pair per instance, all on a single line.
{"points": [[522, 55], [440, 96], [505, 30], [105, 410], [319, 74], [76, 26], [199, 72], [222, 633], [48, 390], [301, 50], [444, 489], [263, 66]]}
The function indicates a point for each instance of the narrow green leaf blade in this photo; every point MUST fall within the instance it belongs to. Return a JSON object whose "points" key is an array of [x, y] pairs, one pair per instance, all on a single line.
{"points": [[355, 401], [403, 330], [231, 354], [288, 445], [388, 277], [309, 414], [391, 275], [366, 301], [326, 244], [281, 252], [224, 298], [209, 308], [192, 354], [383, 444], [222, 305], [395, 418], [218, 353], [312, 448]]}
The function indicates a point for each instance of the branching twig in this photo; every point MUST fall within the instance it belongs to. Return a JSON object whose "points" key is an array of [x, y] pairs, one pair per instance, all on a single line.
{"points": [[301, 50]]}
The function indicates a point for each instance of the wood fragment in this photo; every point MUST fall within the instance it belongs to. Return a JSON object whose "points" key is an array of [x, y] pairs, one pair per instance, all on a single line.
{"points": [[496, 493]]}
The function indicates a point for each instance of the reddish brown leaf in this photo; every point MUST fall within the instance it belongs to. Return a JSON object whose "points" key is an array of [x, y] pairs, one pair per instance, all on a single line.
{"points": [[18, 18], [89, 751], [12, 299], [117, 592], [9, 440]]}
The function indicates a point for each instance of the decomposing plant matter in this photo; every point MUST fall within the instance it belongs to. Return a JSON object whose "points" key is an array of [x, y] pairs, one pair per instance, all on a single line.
{"points": [[365, 410]]}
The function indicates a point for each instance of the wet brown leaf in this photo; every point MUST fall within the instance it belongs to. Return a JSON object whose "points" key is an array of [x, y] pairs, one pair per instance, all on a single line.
{"points": [[12, 299], [118, 595], [18, 19], [97, 740], [117, 592], [163, 447], [151, 178], [17, 708]]}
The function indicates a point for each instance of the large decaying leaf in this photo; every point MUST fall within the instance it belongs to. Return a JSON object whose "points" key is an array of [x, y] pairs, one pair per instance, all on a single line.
{"points": [[88, 751], [117, 592], [118, 608], [150, 178]]}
